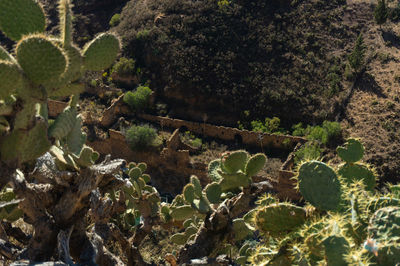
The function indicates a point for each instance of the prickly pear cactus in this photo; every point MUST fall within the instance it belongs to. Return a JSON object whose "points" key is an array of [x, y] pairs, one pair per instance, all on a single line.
{"points": [[319, 185], [279, 218], [43, 66], [351, 173], [384, 229], [235, 169], [351, 152]]}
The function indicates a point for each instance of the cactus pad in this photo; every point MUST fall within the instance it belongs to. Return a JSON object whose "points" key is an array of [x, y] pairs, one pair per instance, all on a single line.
{"points": [[25, 146], [66, 90], [336, 247], [101, 52], [182, 213], [234, 161], [241, 229], [255, 164], [188, 193], [213, 166], [40, 58], [355, 172], [213, 192], [10, 78], [351, 152], [197, 186], [64, 123], [280, 218], [21, 17], [384, 228], [319, 185]]}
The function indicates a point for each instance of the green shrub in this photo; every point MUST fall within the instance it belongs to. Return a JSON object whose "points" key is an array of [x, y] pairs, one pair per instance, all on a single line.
{"points": [[357, 57], [327, 133], [381, 12], [115, 19], [310, 151], [124, 67], [270, 125], [139, 99], [141, 137]]}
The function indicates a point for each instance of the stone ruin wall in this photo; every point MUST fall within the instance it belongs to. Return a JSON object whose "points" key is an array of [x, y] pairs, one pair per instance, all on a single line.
{"points": [[173, 157]]}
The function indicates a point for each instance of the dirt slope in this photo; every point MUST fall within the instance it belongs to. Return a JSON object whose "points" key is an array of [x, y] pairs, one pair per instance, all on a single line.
{"points": [[373, 112]]}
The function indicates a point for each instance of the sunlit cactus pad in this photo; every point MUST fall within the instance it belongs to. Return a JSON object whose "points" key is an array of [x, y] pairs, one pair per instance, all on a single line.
{"points": [[40, 58], [21, 17]]}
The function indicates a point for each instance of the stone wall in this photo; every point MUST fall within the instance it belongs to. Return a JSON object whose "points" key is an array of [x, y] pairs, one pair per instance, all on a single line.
{"points": [[173, 164], [246, 137]]}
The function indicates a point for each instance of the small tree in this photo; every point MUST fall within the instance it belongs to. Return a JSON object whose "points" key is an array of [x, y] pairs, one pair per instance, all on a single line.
{"points": [[381, 13], [357, 57]]}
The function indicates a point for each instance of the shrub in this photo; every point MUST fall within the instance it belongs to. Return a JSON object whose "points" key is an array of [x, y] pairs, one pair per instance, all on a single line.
{"points": [[141, 137], [325, 134], [124, 67], [270, 125], [381, 12], [115, 19], [310, 151], [357, 57], [139, 99]]}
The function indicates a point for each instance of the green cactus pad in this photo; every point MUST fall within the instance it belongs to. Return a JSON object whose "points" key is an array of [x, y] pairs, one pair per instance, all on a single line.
{"points": [[65, 11], [100, 53], [280, 218], [135, 173], [187, 223], [87, 157], [146, 178], [76, 138], [66, 90], [234, 162], [385, 230], [255, 164], [64, 123], [241, 229], [234, 181], [179, 238], [182, 213], [23, 146], [213, 192], [24, 117], [21, 17], [381, 202], [201, 205], [142, 166], [4, 55], [319, 185], [40, 58], [197, 186], [351, 152], [10, 78], [213, 166], [336, 247], [355, 172], [188, 193]]}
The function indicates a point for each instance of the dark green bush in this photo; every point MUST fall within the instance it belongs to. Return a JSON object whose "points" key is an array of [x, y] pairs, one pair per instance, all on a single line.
{"points": [[124, 67], [357, 57], [141, 137], [139, 99]]}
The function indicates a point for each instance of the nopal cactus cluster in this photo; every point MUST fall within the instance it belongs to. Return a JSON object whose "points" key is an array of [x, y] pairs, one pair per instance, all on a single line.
{"points": [[345, 222], [40, 67]]}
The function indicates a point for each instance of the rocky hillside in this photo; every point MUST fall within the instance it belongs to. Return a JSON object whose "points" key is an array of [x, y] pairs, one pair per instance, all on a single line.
{"points": [[281, 58]]}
